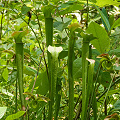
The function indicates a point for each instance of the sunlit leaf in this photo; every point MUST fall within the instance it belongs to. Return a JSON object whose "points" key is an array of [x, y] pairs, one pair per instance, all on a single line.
{"points": [[102, 42], [116, 23], [5, 74], [77, 68], [2, 111], [102, 3], [16, 115]]}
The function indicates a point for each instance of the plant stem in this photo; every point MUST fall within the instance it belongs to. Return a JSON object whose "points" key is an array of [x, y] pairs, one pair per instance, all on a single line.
{"points": [[1, 25], [16, 97], [19, 59], [85, 54], [70, 74], [49, 41], [87, 15]]}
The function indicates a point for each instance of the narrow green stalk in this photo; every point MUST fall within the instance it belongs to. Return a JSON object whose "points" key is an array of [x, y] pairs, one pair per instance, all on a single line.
{"points": [[70, 74], [87, 15], [1, 24], [19, 61], [16, 97], [49, 40], [85, 54]]}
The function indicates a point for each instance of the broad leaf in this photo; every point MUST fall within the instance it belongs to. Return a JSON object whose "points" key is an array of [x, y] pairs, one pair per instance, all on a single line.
{"points": [[111, 20], [102, 42], [102, 3], [2, 111], [29, 71], [70, 8], [105, 79], [5, 74], [77, 68], [42, 84], [63, 54], [61, 25], [16, 115], [25, 9], [117, 105], [115, 52], [94, 1]]}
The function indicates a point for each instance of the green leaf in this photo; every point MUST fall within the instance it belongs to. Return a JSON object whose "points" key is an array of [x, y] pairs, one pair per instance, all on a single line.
{"points": [[116, 68], [70, 8], [104, 18], [111, 92], [63, 54], [5, 74], [93, 1], [42, 83], [111, 20], [61, 25], [105, 13], [117, 105], [102, 3], [25, 9], [2, 111], [102, 42], [15, 116], [105, 79], [77, 68], [116, 23], [115, 52], [29, 71]]}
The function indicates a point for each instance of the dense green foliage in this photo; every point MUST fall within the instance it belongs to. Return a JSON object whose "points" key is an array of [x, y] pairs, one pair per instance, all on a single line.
{"points": [[59, 59]]}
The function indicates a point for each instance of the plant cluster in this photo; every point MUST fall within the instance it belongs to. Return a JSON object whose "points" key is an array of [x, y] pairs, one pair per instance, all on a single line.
{"points": [[59, 60]]}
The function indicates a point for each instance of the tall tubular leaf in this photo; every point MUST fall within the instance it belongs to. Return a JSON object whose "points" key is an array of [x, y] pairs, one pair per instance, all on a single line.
{"points": [[85, 54], [49, 40], [19, 60], [48, 29], [54, 65], [70, 75], [70, 68], [90, 87]]}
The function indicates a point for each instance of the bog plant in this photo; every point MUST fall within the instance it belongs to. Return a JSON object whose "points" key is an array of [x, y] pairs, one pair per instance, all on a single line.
{"points": [[54, 66]]}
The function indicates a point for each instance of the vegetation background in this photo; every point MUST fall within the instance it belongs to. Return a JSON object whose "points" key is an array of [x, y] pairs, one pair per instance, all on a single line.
{"points": [[59, 60]]}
